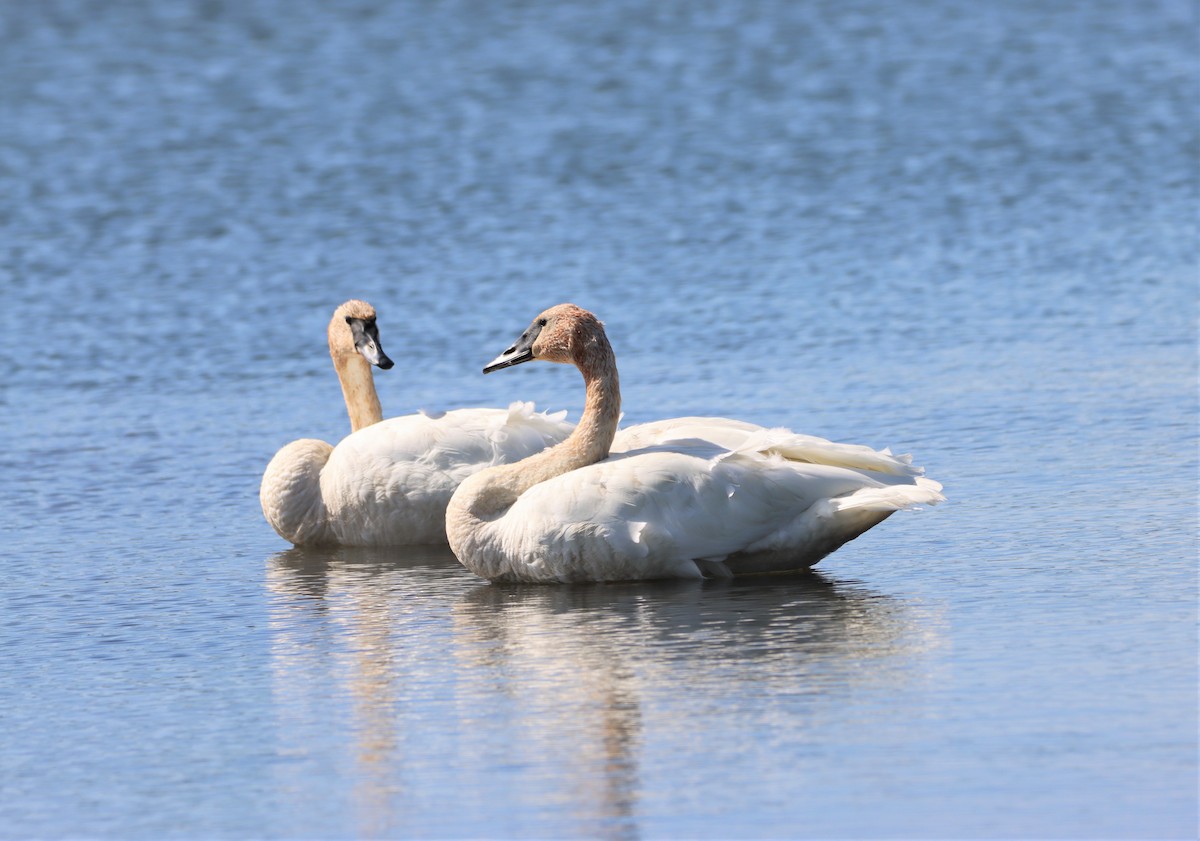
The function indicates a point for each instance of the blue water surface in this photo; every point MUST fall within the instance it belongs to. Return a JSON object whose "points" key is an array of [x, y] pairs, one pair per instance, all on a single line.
{"points": [[962, 230]]}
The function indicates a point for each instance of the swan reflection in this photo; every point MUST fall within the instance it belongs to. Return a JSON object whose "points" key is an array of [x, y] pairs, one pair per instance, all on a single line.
{"points": [[560, 707], [343, 624]]}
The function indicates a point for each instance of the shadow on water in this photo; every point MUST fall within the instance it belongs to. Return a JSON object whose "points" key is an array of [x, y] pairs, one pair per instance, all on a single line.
{"points": [[542, 695]]}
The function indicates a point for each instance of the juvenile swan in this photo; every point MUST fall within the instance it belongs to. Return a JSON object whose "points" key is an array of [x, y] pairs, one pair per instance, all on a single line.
{"points": [[690, 508], [388, 482]]}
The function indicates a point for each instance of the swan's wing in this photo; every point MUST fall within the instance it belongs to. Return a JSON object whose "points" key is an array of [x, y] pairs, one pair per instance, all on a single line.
{"points": [[455, 443], [813, 450], [523, 431], [390, 482], [741, 437], [463, 441], [725, 432]]}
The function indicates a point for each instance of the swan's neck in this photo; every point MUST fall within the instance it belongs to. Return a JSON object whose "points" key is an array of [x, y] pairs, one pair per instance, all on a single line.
{"points": [[588, 443], [358, 387], [497, 488], [354, 372]]}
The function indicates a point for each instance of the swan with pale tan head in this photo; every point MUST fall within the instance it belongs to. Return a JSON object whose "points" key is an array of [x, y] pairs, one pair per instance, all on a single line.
{"points": [[388, 482], [774, 502]]}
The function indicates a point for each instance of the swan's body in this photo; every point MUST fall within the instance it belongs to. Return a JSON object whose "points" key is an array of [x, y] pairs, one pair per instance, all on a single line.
{"points": [[388, 482], [759, 501]]}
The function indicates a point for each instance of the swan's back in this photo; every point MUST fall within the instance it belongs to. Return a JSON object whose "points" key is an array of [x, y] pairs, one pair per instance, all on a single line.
{"points": [[725, 432]]}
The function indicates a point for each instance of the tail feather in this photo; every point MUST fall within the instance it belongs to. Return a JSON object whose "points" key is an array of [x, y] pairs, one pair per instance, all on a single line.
{"points": [[813, 450], [892, 497]]}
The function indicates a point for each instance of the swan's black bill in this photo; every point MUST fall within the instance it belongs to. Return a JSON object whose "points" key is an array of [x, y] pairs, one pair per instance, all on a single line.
{"points": [[520, 352], [512, 356], [366, 342]]}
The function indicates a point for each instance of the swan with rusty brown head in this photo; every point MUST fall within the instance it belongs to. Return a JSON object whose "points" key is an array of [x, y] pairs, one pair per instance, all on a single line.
{"points": [[775, 502]]}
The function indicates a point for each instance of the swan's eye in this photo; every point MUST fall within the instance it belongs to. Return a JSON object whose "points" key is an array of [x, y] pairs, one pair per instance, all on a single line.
{"points": [[349, 319], [541, 322]]}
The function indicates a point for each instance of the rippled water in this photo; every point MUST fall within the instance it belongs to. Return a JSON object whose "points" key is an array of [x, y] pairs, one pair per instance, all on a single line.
{"points": [[962, 230]]}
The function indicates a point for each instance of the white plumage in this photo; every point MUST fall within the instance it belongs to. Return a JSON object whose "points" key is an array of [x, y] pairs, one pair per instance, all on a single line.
{"points": [[760, 500], [725, 432]]}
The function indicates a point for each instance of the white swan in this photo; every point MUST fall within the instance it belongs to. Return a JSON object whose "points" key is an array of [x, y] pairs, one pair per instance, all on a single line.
{"points": [[388, 482], [777, 502]]}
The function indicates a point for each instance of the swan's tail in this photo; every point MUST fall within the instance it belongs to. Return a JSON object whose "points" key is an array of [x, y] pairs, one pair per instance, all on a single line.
{"points": [[830, 524], [891, 497]]}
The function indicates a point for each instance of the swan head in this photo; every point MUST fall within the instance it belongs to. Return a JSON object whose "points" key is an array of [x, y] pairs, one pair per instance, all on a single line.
{"points": [[565, 333], [353, 331]]}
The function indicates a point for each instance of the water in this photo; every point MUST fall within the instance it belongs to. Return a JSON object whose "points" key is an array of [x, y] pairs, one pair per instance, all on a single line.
{"points": [[966, 231]]}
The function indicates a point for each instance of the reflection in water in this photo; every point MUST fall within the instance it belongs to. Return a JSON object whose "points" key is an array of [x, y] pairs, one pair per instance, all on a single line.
{"points": [[574, 701], [598, 671], [427, 685], [351, 656]]}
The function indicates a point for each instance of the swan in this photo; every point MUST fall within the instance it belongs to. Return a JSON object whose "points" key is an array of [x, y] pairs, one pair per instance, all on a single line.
{"points": [[690, 508], [388, 482]]}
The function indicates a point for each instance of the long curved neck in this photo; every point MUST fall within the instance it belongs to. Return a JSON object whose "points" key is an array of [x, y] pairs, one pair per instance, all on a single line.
{"points": [[354, 373], [588, 444], [592, 437]]}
